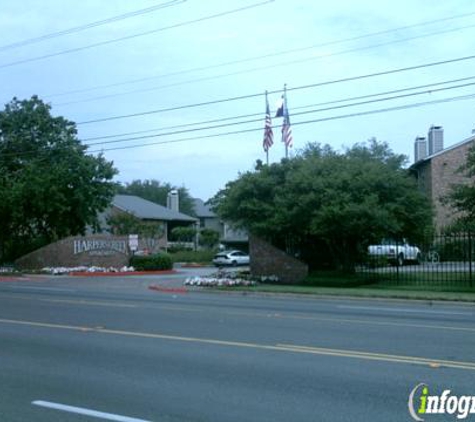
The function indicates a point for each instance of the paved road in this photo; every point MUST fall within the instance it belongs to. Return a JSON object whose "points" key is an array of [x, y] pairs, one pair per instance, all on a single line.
{"points": [[113, 349]]}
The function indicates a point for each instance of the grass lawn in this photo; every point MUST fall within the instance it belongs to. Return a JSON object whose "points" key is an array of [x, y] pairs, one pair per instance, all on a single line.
{"points": [[369, 292], [384, 292], [335, 284]]}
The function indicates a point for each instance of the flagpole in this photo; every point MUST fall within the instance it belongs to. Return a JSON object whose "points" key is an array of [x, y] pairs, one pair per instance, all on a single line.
{"points": [[285, 112], [267, 149]]}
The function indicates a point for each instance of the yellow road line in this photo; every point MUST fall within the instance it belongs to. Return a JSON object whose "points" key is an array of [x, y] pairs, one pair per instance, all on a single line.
{"points": [[381, 356], [277, 347]]}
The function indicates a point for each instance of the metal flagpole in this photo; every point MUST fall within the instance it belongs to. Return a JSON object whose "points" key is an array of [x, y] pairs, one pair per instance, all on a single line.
{"points": [[267, 149], [283, 123]]}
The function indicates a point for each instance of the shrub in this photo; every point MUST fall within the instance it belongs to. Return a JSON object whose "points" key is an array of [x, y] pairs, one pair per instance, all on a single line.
{"points": [[151, 262], [183, 234], [335, 279], [208, 238], [179, 247]]}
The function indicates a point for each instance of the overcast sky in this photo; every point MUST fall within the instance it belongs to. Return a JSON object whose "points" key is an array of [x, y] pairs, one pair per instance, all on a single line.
{"points": [[92, 68]]}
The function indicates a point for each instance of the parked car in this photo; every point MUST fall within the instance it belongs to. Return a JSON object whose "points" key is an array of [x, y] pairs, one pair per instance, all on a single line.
{"points": [[396, 252], [231, 258]]}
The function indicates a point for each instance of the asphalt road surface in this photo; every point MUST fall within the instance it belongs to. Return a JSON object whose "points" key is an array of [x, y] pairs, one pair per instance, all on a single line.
{"points": [[94, 349]]}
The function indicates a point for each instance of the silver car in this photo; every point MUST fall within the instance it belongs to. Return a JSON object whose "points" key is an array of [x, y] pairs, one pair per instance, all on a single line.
{"points": [[231, 258]]}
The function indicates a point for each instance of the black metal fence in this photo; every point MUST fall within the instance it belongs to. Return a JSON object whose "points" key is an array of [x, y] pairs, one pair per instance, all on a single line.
{"points": [[442, 261]]}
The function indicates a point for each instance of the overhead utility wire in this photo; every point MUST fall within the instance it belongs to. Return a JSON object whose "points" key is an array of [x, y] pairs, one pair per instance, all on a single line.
{"points": [[129, 37], [324, 119], [248, 96], [90, 25], [219, 126], [238, 132], [224, 119], [256, 69], [293, 114], [260, 57]]}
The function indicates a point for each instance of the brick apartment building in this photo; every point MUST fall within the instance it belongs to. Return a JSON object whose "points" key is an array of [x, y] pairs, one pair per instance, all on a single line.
{"points": [[437, 170]]}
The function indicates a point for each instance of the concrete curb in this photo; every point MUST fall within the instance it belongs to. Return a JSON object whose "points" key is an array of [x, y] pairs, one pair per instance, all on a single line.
{"points": [[119, 274]]}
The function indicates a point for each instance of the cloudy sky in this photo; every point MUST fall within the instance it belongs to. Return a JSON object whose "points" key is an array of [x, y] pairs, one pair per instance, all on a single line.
{"points": [[173, 90]]}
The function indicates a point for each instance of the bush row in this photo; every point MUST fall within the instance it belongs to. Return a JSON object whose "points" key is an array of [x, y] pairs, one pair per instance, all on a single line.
{"points": [[154, 262]]}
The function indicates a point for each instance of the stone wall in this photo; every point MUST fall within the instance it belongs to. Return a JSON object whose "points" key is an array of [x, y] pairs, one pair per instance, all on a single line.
{"points": [[267, 260], [94, 250]]}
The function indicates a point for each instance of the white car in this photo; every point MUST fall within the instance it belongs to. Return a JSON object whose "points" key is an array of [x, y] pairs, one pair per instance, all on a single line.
{"points": [[396, 252], [231, 258]]}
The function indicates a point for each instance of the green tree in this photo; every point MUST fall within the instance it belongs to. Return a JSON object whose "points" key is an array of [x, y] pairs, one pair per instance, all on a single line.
{"points": [[149, 232], [208, 238], [50, 186], [183, 234], [157, 192], [328, 206]]}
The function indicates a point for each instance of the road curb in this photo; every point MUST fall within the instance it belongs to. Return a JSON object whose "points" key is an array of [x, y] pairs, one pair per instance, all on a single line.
{"points": [[118, 274]]}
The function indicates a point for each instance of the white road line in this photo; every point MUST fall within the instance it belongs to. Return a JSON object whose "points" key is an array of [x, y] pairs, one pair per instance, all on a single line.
{"points": [[403, 310], [86, 412]]}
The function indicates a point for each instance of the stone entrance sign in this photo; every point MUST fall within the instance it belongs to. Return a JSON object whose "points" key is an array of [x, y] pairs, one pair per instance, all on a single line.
{"points": [[96, 250], [99, 247]]}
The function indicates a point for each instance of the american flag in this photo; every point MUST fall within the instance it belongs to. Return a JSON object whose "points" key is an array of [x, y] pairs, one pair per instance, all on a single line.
{"points": [[286, 129], [268, 134]]}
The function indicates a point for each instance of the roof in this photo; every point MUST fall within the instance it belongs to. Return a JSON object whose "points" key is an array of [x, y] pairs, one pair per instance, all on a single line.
{"points": [[441, 152], [202, 210], [148, 210]]}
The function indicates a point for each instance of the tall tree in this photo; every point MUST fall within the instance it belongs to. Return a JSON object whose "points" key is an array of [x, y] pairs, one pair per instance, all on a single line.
{"points": [[149, 232], [325, 201], [157, 192], [50, 186]]}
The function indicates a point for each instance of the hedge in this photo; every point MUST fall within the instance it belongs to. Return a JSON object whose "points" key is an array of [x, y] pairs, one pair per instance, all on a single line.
{"points": [[155, 262]]}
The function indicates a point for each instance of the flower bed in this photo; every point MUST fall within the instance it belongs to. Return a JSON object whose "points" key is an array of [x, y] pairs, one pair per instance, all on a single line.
{"points": [[221, 279], [84, 269]]}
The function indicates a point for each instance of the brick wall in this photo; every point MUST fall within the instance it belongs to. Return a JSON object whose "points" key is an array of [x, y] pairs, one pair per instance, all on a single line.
{"points": [[267, 260], [444, 169], [438, 175]]}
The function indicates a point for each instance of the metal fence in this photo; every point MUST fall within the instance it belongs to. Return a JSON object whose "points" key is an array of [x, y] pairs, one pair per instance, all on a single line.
{"points": [[442, 261]]}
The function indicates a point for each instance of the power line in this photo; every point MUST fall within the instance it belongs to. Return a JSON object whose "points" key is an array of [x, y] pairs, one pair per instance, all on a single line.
{"points": [[323, 119], [242, 131], [256, 69], [248, 96], [129, 37], [90, 25], [264, 56], [222, 125], [224, 119]]}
